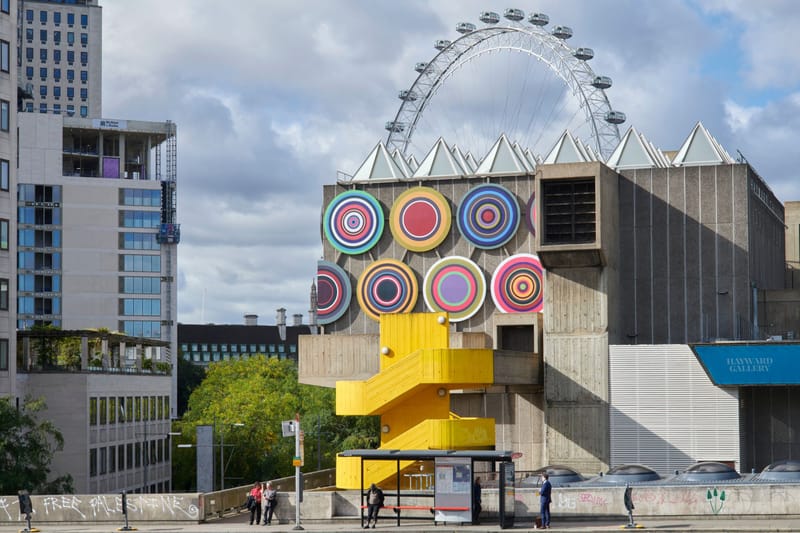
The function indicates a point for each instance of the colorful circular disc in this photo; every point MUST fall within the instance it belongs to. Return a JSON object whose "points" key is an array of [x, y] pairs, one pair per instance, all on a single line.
{"points": [[518, 285], [488, 216], [530, 214], [455, 285], [353, 222], [387, 286], [333, 292], [420, 219]]}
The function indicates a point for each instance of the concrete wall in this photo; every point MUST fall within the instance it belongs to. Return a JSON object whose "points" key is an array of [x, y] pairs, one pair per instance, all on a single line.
{"points": [[792, 214]]}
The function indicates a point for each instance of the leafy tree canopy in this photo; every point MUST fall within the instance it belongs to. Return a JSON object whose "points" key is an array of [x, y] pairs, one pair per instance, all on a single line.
{"points": [[27, 445], [260, 393]]}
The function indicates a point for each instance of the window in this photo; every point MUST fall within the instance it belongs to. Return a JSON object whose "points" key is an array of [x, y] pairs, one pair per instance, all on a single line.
{"points": [[29, 34], [29, 54], [71, 39], [43, 73], [112, 410], [140, 306], [5, 109], [5, 6], [103, 411], [43, 17], [138, 241], [3, 354], [84, 58], [140, 285], [568, 209], [149, 198], [139, 263], [70, 57], [29, 15], [43, 89], [84, 111], [57, 92], [3, 234], [121, 456], [56, 109], [84, 76], [5, 56], [56, 75], [57, 18], [43, 36], [29, 72], [43, 55], [57, 56], [70, 75], [84, 39], [3, 295], [70, 109], [84, 20], [29, 107], [71, 19], [71, 92], [4, 167], [141, 328], [57, 37], [84, 94], [43, 107], [93, 411], [93, 462], [140, 219]]}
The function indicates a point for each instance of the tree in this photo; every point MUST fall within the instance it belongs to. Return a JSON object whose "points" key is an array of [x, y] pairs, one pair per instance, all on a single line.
{"points": [[260, 393], [26, 450], [190, 376]]}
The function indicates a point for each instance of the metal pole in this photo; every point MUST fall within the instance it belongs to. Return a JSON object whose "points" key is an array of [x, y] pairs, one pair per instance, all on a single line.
{"points": [[297, 480], [221, 460]]}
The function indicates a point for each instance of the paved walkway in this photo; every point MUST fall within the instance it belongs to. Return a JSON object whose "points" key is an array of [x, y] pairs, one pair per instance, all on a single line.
{"points": [[239, 524]]}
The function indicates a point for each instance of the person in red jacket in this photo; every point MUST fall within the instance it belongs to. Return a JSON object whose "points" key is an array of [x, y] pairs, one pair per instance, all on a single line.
{"points": [[254, 503]]}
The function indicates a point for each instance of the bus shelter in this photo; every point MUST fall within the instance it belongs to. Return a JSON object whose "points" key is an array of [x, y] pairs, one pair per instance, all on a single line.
{"points": [[453, 481]]}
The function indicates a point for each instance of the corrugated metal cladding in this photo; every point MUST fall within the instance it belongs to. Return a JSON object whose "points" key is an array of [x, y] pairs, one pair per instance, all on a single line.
{"points": [[665, 413]]}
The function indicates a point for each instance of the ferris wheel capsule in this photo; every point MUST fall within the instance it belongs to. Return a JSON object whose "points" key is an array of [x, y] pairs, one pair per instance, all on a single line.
{"points": [[562, 32], [406, 95], [465, 27], [394, 126], [538, 19], [489, 17], [601, 82], [615, 117], [441, 44], [584, 54], [514, 14], [420, 67]]}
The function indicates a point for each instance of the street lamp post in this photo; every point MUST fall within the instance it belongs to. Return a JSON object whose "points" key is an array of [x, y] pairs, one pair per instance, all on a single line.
{"points": [[221, 446]]}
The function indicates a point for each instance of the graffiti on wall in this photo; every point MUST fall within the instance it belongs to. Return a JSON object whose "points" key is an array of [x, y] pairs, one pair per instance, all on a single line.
{"points": [[716, 498], [103, 507]]}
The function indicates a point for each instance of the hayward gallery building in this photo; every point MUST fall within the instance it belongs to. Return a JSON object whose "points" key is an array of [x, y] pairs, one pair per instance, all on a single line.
{"points": [[640, 310]]}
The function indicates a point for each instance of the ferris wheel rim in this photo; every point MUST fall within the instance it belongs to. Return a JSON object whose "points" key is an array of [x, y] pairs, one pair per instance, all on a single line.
{"points": [[576, 74]]}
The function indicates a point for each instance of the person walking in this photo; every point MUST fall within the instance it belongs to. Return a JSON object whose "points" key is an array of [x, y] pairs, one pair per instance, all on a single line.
{"points": [[374, 504], [270, 499], [544, 500], [254, 503], [476, 500]]}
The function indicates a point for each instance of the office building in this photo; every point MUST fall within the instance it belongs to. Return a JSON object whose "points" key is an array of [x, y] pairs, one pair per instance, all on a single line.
{"points": [[60, 56]]}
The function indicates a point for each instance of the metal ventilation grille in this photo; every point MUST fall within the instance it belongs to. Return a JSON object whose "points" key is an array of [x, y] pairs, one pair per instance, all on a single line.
{"points": [[569, 211]]}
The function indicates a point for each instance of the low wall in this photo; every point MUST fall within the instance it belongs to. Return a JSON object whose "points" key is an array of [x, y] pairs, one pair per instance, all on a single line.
{"points": [[695, 501]]}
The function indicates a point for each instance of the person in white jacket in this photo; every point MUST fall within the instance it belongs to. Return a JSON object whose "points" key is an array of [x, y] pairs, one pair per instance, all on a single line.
{"points": [[269, 498]]}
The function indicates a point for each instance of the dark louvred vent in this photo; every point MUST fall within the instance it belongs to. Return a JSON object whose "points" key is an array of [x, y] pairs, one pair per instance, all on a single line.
{"points": [[568, 211]]}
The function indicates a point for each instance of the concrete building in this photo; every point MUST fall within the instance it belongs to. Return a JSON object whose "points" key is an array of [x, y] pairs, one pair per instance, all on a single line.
{"points": [[203, 344], [97, 239], [8, 173], [60, 47], [607, 282]]}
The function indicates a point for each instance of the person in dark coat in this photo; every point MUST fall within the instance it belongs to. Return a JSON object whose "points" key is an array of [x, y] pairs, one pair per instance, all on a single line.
{"points": [[254, 503], [476, 500], [374, 504], [544, 500]]}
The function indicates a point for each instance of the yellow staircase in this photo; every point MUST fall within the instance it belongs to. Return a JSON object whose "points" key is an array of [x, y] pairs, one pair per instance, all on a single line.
{"points": [[411, 393]]}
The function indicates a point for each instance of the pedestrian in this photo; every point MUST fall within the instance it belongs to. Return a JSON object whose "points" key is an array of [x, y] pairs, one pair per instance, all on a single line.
{"points": [[374, 504], [254, 503], [544, 500], [270, 498], [476, 500]]}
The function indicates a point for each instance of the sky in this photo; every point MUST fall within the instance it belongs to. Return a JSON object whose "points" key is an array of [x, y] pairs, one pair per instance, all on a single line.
{"points": [[273, 98]]}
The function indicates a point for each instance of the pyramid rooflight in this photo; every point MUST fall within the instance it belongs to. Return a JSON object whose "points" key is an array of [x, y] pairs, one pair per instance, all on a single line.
{"points": [[502, 159], [521, 154], [566, 150], [462, 160], [378, 166], [412, 162], [700, 148], [439, 163], [634, 151], [402, 163]]}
